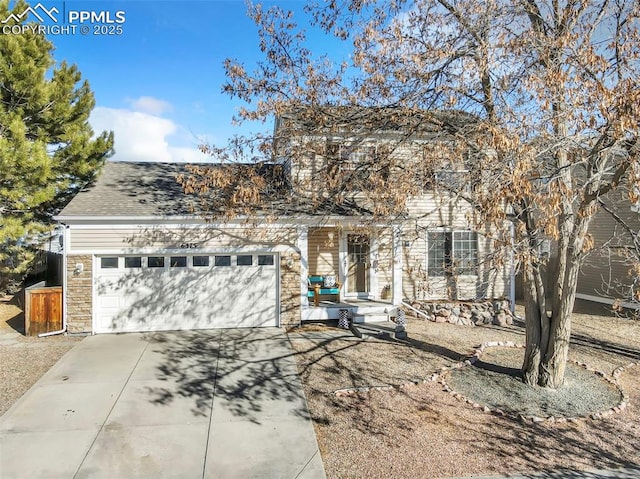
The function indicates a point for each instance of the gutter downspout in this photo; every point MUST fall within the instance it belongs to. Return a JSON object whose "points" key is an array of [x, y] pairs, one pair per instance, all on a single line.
{"points": [[64, 287]]}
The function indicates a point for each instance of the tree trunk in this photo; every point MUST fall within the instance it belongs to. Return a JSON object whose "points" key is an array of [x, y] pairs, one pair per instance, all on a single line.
{"points": [[536, 323], [548, 336]]}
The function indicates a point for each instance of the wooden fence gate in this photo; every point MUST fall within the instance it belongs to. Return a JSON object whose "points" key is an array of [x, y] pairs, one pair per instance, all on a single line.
{"points": [[43, 309]]}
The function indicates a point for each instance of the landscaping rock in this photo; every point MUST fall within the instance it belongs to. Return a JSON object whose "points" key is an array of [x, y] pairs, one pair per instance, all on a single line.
{"points": [[468, 313], [501, 319]]}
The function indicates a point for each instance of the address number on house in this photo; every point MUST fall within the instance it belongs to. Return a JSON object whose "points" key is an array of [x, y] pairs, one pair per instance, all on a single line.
{"points": [[188, 245]]}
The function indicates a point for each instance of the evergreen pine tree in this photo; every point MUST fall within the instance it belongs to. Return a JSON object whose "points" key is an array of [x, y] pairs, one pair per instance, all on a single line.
{"points": [[47, 148]]}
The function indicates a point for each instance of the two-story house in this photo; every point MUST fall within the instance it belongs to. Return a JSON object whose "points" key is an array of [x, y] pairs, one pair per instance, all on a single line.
{"points": [[355, 223]]}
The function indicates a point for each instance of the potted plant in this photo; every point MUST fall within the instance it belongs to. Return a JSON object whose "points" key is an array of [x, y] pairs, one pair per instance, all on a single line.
{"points": [[386, 292]]}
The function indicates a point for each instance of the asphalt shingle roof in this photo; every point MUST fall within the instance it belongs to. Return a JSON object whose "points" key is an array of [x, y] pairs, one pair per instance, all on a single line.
{"points": [[147, 189], [133, 189]]}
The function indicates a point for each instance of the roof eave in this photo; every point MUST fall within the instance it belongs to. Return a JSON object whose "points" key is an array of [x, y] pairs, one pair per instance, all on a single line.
{"points": [[293, 220]]}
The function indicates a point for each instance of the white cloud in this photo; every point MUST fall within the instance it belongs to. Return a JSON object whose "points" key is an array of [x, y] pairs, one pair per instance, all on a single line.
{"points": [[140, 136], [148, 104]]}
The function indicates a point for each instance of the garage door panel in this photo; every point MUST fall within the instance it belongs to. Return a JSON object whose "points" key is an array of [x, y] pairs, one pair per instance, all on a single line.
{"points": [[155, 299]]}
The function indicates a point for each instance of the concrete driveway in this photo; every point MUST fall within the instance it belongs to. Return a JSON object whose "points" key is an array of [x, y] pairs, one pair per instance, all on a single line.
{"points": [[202, 404]]}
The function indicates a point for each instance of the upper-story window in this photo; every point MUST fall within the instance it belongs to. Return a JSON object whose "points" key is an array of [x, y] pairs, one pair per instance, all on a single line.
{"points": [[440, 169], [348, 159]]}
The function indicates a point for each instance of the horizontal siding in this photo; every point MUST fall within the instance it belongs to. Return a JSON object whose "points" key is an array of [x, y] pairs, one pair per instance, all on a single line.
{"points": [[491, 282], [605, 271], [97, 239], [323, 248], [384, 265], [434, 210], [605, 276], [414, 266]]}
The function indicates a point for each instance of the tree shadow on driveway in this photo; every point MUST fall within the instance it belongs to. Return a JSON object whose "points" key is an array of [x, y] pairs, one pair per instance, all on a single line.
{"points": [[249, 373]]}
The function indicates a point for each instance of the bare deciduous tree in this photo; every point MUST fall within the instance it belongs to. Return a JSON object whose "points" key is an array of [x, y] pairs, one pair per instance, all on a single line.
{"points": [[542, 114]]}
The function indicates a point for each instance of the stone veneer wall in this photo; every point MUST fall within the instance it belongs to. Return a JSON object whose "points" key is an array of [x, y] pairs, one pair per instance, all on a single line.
{"points": [[79, 293], [290, 290]]}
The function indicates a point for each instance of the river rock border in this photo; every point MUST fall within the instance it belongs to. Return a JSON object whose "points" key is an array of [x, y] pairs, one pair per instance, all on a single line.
{"points": [[613, 380], [439, 377]]}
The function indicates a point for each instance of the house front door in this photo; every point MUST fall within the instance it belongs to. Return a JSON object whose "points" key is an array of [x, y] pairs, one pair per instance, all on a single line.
{"points": [[358, 264]]}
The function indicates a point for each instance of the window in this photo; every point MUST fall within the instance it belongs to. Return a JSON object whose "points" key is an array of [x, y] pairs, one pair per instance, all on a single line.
{"points": [[457, 181], [344, 159], [132, 262], [465, 252], [108, 263], [437, 257], [155, 261], [222, 261], [178, 262], [244, 260], [445, 167], [265, 260], [452, 253], [200, 261], [338, 151]]}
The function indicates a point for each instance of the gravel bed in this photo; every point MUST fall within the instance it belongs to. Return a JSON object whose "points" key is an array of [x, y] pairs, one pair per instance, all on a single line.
{"points": [[23, 360], [494, 382]]}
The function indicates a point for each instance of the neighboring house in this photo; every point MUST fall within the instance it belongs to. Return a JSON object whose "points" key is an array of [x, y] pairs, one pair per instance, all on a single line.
{"points": [[607, 276], [139, 256]]}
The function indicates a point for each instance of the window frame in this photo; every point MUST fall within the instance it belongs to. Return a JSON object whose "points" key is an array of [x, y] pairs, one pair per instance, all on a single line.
{"points": [[262, 257], [455, 259], [244, 256], [181, 261], [117, 265], [193, 261], [129, 258], [465, 260], [222, 264], [159, 266]]}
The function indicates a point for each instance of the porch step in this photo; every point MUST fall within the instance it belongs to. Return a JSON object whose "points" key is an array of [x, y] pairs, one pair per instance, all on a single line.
{"points": [[380, 330], [370, 318]]}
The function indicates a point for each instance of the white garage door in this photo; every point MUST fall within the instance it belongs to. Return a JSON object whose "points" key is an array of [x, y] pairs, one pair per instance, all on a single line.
{"points": [[176, 292]]}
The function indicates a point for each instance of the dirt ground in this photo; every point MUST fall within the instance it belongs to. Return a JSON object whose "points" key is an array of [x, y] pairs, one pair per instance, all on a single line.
{"points": [[23, 360], [421, 431]]}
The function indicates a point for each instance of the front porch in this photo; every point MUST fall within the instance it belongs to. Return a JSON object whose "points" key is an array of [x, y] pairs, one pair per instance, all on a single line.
{"points": [[359, 309], [366, 265]]}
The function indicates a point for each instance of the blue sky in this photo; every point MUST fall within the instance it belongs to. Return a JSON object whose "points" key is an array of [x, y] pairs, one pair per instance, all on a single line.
{"points": [[158, 84]]}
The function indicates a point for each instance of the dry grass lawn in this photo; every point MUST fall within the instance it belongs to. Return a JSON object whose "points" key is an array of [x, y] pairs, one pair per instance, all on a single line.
{"points": [[422, 431]]}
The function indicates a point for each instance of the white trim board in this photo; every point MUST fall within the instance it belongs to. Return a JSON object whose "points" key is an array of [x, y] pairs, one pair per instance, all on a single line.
{"points": [[601, 300], [180, 251], [312, 221]]}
